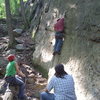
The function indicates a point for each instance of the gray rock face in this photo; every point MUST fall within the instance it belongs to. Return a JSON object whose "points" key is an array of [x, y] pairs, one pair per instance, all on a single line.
{"points": [[81, 49], [8, 96]]}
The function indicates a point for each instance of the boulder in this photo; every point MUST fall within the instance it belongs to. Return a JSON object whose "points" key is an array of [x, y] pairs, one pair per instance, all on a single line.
{"points": [[17, 32], [20, 47], [80, 53], [8, 95], [2, 86]]}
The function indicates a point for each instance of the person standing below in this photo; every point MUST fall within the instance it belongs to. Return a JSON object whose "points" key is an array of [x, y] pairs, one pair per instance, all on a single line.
{"points": [[63, 85], [59, 36], [11, 70]]}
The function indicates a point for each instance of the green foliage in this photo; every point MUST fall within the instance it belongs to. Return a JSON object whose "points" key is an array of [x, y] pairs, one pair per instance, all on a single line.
{"points": [[2, 9], [14, 5]]}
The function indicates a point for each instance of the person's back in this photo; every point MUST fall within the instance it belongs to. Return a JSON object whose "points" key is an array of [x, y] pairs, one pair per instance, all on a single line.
{"points": [[64, 88], [10, 69], [63, 85], [59, 26]]}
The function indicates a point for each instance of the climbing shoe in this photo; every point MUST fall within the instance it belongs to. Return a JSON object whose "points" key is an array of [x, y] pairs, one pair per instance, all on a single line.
{"points": [[54, 53], [58, 53]]}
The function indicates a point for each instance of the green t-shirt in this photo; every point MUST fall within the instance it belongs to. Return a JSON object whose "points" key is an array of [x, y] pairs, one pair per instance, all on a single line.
{"points": [[10, 69]]}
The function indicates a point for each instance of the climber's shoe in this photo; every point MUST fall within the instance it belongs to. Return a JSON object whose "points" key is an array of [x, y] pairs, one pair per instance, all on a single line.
{"points": [[58, 53], [54, 53]]}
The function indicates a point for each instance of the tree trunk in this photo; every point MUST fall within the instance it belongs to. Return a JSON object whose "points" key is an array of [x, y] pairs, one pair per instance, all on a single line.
{"points": [[23, 13], [9, 24]]}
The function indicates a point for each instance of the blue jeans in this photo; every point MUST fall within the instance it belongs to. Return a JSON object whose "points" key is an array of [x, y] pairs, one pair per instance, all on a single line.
{"points": [[20, 83], [46, 96], [58, 45]]}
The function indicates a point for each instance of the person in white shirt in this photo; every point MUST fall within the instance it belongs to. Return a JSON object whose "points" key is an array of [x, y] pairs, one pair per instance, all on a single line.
{"points": [[63, 85]]}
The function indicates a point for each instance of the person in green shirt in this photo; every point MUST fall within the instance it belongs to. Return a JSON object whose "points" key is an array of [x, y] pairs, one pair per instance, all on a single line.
{"points": [[12, 69]]}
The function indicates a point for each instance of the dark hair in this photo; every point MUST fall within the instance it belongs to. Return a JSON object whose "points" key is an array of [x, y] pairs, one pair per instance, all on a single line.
{"points": [[59, 71], [58, 19]]}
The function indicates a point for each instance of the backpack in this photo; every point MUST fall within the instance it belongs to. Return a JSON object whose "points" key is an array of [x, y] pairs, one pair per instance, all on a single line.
{"points": [[59, 26]]}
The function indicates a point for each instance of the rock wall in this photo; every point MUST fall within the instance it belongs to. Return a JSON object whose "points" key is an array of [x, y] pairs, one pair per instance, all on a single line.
{"points": [[81, 49]]}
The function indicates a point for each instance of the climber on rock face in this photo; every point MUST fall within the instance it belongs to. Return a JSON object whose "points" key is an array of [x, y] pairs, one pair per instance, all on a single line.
{"points": [[59, 36], [11, 70]]}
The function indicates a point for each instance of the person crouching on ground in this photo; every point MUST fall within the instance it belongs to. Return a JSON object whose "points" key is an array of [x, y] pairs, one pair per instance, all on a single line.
{"points": [[11, 70], [63, 85]]}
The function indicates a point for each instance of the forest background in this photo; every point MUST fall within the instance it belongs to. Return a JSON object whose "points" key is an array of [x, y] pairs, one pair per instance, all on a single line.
{"points": [[14, 5]]}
